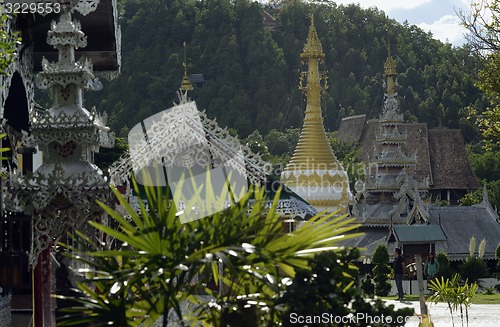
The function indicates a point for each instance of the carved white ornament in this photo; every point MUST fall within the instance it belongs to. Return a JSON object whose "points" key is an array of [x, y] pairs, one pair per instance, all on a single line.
{"points": [[169, 143], [84, 7], [61, 194]]}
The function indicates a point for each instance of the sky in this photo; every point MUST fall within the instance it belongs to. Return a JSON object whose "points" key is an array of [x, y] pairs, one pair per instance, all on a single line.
{"points": [[436, 16]]}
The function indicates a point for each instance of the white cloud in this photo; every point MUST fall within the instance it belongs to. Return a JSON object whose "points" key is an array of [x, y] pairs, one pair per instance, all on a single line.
{"points": [[386, 5], [446, 29]]}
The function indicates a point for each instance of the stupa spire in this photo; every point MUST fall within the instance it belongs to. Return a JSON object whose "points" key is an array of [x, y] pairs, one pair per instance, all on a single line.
{"points": [[390, 73], [313, 147], [314, 172], [186, 83], [390, 111]]}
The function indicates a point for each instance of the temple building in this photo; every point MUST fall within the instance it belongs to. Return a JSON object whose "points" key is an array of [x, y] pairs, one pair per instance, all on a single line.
{"points": [[314, 173], [414, 178], [436, 158]]}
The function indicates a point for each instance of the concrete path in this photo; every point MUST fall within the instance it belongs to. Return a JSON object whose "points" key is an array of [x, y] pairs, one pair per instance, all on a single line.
{"points": [[480, 315]]}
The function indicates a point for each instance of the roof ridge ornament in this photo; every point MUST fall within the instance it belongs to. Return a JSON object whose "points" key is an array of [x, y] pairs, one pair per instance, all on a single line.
{"points": [[313, 47], [84, 7]]}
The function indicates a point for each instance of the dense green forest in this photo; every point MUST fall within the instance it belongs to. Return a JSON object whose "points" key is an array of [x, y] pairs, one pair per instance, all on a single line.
{"points": [[251, 73]]}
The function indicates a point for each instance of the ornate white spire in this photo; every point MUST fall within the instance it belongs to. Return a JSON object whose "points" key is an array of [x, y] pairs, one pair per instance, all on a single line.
{"points": [[62, 193]]}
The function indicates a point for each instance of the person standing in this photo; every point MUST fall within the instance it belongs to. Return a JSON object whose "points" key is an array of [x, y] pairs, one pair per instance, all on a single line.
{"points": [[399, 267], [431, 268]]}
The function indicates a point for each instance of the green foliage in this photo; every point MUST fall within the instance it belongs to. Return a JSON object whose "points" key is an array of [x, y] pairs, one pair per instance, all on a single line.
{"points": [[278, 143], [367, 285], [457, 295], [256, 143], [4, 149], [381, 270], [483, 23], [330, 286], [473, 268], [486, 166], [105, 157], [445, 269], [443, 203], [8, 46], [251, 73], [159, 263], [489, 290]]}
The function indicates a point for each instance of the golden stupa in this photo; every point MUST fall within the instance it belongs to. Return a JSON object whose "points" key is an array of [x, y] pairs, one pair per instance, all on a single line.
{"points": [[314, 173]]}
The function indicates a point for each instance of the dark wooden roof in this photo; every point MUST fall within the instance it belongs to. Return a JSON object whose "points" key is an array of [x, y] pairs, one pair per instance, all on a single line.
{"points": [[418, 143], [449, 162], [459, 224], [441, 155], [99, 26], [351, 128]]}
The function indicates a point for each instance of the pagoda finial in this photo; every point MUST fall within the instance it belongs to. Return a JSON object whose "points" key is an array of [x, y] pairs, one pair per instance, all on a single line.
{"points": [[185, 84], [312, 48], [390, 71]]}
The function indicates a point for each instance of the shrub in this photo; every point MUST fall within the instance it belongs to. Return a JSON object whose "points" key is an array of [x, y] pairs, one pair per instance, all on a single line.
{"points": [[367, 285], [445, 269], [330, 287], [473, 268], [381, 270]]}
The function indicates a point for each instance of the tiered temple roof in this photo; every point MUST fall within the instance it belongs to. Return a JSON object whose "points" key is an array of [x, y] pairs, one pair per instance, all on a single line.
{"points": [[390, 162]]}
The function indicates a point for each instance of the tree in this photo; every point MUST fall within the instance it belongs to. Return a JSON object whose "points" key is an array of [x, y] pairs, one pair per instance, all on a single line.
{"points": [[251, 71], [8, 46], [330, 286], [445, 269], [381, 270], [159, 263], [483, 23]]}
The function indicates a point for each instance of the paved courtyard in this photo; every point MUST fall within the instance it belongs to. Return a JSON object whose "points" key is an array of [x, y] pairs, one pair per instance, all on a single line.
{"points": [[480, 315]]}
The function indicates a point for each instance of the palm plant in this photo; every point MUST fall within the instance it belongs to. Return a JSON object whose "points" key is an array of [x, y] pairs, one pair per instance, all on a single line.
{"points": [[456, 294], [444, 291], [3, 149], [160, 262]]}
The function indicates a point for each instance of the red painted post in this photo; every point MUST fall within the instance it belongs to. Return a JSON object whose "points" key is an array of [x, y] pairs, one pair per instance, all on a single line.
{"points": [[47, 289], [37, 293], [42, 291]]}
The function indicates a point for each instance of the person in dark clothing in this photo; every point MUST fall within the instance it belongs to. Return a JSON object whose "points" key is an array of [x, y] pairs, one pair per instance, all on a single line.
{"points": [[399, 267]]}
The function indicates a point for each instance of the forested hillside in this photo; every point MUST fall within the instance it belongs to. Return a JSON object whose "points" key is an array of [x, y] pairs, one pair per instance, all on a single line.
{"points": [[251, 73]]}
